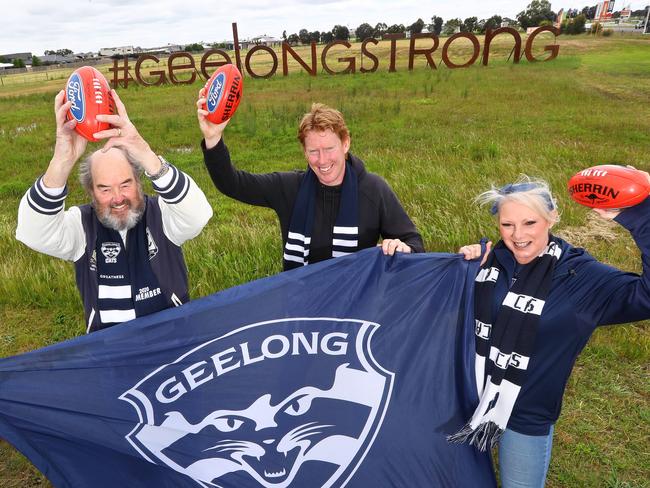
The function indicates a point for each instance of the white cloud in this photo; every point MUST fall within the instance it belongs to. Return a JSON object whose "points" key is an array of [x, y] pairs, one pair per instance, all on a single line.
{"points": [[87, 25]]}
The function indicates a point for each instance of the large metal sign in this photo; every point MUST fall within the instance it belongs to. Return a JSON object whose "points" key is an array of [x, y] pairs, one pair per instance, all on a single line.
{"points": [[183, 62]]}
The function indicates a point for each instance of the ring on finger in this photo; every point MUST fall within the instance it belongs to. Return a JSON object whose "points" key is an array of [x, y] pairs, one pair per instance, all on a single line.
{"points": [[119, 132]]}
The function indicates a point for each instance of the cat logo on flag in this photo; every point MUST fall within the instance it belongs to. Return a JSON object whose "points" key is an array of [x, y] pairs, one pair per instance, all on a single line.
{"points": [[278, 404]]}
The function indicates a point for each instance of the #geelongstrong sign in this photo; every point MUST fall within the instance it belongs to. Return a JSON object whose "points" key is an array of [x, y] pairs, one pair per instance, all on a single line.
{"points": [[183, 61]]}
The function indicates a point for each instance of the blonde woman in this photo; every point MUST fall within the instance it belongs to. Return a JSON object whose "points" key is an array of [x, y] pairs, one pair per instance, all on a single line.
{"points": [[537, 301]]}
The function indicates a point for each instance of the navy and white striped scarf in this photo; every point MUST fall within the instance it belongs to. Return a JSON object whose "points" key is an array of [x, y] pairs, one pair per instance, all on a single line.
{"points": [[127, 285], [345, 237], [504, 348]]}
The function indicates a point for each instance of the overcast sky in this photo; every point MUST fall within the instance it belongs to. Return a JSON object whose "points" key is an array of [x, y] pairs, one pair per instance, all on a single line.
{"points": [[88, 25]]}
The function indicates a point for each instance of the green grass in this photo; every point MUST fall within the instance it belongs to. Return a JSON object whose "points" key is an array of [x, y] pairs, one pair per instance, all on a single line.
{"points": [[439, 138]]}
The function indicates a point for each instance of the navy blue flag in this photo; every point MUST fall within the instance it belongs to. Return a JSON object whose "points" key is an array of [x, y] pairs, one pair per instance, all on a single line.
{"points": [[349, 372]]}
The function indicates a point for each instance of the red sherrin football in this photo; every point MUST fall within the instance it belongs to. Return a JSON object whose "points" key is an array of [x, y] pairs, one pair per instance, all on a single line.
{"points": [[91, 96], [609, 186], [223, 93]]}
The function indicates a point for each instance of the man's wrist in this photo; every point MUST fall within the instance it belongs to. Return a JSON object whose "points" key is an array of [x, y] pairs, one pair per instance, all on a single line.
{"points": [[57, 172], [164, 168], [52, 191]]}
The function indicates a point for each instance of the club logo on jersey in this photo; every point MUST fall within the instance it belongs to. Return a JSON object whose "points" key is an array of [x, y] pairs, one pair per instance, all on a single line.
{"points": [[75, 94], [215, 92], [280, 404], [152, 247], [93, 261], [110, 250]]}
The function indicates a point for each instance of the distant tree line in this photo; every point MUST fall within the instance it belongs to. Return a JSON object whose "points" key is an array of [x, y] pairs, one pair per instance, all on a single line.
{"points": [[196, 47], [338, 33], [537, 13]]}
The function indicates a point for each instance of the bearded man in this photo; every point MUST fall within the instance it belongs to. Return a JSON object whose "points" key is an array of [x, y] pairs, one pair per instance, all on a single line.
{"points": [[125, 245]]}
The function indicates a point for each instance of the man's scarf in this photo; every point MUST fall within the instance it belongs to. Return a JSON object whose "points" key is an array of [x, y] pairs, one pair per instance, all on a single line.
{"points": [[127, 285], [503, 348], [345, 237]]}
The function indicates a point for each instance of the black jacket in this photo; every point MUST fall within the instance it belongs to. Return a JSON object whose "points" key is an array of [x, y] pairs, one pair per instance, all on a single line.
{"points": [[380, 212]]}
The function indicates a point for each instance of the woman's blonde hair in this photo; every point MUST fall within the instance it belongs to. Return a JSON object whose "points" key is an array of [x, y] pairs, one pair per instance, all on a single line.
{"points": [[533, 193]]}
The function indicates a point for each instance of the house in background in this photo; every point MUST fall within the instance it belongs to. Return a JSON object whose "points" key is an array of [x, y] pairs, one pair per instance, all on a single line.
{"points": [[265, 40], [116, 51], [168, 49], [58, 59], [26, 58]]}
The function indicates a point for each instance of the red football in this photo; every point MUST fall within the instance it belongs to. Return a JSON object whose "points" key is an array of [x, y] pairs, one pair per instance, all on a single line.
{"points": [[609, 186], [90, 95], [223, 93]]}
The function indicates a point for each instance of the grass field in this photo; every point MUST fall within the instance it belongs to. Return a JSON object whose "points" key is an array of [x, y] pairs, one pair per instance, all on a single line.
{"points": [[439, 137]]}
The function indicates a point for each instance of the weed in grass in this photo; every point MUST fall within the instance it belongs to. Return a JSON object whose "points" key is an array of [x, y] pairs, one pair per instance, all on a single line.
{"points": [[249, 122], [613, 481], [12, 189], [482, 152], [584, 449], [7, 340], [64, 327]]}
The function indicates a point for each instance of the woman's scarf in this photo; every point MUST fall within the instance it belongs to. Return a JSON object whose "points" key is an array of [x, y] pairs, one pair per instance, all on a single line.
{"points": [[504, 348]]}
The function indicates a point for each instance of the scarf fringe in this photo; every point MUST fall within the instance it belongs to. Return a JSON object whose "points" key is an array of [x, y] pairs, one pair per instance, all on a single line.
{"points": [[486, 433]]}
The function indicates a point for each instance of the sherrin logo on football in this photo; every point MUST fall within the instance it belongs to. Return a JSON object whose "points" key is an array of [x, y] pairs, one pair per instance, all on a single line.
{"points": [[90, 95], [609, 186], [223, 93]]}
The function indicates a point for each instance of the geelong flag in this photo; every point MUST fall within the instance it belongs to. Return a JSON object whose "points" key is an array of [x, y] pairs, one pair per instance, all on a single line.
{"points": [[349, 372]]}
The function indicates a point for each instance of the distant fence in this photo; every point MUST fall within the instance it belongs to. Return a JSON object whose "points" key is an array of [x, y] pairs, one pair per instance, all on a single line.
{"points": [[44, 73], [49, 67]]}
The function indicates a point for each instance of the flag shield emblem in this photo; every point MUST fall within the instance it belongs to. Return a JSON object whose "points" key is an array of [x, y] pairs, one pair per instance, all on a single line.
{"points": [[276, 404]]}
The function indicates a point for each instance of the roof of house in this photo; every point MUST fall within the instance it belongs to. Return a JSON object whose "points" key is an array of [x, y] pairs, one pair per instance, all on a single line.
{"points": [[23, 56]]}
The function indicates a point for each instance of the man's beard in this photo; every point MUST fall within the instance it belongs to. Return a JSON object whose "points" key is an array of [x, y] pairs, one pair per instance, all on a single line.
{"points": [[127, 222]]}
